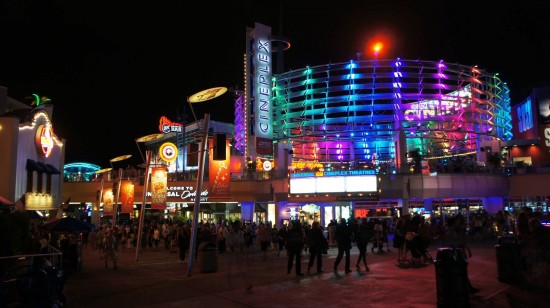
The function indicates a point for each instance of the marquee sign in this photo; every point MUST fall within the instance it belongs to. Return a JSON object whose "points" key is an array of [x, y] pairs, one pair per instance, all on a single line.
{"points": [[337, 182]]}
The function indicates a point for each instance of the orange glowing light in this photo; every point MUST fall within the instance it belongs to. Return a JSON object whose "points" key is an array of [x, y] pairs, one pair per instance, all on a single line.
{"points": [[379, 43], [377, 47]]}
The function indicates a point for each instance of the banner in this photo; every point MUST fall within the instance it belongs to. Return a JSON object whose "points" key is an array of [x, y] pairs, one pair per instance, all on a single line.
{"points": [[159, 185], [127, 196], [108, 202], [218, 174]]}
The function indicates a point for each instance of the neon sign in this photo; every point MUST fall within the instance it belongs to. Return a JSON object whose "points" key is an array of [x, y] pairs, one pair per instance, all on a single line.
{"points": [[44, 140], [525, 116], [166, 126], [262, 80], [185, 193], [168, 152]]}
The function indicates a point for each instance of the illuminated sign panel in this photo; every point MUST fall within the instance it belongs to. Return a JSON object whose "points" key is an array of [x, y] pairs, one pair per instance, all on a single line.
{"points": [[348, 181], [525, 116], [166, 126], [44, 140], [183, 193], [168, 152], [331, 184], [363, 183], [303, 185], [262, 81]]}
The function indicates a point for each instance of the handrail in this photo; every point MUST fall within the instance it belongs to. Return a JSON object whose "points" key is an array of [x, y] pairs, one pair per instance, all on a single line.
{"points": [[55, 256]]}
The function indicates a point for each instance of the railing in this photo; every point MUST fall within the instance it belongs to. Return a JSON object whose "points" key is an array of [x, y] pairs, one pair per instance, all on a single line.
{"points": [[14, 268], [455, 168]]}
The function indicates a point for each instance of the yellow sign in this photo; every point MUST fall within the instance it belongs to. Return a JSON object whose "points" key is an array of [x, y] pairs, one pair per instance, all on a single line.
{"points": [[207, 94], [168, 152]]}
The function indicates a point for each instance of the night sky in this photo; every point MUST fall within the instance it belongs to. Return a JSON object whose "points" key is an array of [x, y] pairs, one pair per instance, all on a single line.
{"points": [[112, 69]]}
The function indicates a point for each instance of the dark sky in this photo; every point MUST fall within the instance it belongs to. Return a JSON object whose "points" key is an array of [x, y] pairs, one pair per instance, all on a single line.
{"points": [[113, 69]]}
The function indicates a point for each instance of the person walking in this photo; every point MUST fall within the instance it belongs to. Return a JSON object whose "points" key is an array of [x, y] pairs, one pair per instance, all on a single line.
{"points": [[317, 243], [378, 236], [235, 249], [264, 236], [183, 239], [221, 234], [343, 241], [401, 229], [294, 245], [109, 244], [362, 239]]}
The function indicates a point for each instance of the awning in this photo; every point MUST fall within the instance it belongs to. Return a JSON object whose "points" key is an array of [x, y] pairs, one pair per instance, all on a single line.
{"points": [[32, 165], [52, 169], [41, 167], [5, 201]]}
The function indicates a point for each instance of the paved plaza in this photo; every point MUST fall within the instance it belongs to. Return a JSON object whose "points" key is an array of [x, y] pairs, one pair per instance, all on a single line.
{"points": [[158, 279]]}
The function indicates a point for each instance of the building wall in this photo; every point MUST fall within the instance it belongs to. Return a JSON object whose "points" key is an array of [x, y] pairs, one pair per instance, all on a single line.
{"points": [[8, 156]]}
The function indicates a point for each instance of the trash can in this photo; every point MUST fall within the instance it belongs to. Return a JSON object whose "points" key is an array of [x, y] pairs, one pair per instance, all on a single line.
{"points": [[208, 258], [508, 256], [451, 273]]}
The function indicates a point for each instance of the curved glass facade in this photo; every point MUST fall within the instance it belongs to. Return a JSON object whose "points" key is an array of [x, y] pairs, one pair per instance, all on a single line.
{"points": [[355, 111]]}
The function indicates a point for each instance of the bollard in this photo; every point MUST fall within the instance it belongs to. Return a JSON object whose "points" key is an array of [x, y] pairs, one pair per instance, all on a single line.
{"points": [[208, 258], [451, 273]]}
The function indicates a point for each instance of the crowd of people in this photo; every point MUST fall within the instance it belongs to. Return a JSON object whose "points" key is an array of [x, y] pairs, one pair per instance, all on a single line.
{"points": [[412, 236]]}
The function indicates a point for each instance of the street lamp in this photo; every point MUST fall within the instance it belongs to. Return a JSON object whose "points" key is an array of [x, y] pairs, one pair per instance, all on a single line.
{"points": [[203, 152], [95, 210], [117, 181], [147, 160]]}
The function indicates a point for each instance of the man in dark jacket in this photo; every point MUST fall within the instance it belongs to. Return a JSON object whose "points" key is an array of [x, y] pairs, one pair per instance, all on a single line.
{"points": [[317, 243], [343, 241], [294, 245]]}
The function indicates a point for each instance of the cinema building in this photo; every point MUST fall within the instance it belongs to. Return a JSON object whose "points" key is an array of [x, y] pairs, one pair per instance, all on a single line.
{"points": [[375, 138], [358, 138]]}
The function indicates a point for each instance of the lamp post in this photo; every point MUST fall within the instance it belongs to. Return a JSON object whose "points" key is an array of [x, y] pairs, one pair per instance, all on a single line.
{"points": [[145, 186], [203, 153], [95, 210], [118, 182]]}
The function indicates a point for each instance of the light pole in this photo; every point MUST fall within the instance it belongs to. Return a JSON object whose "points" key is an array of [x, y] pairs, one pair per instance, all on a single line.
{"points": [[118, 182], [95, 210], [203, 153], [145, 186]]}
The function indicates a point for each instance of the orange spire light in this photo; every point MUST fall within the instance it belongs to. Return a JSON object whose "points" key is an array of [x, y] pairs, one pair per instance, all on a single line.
{"points": [[377, 47]]}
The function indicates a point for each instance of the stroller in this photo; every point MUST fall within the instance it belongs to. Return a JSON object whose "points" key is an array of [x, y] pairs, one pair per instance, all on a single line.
{"points": [[418, 249]]}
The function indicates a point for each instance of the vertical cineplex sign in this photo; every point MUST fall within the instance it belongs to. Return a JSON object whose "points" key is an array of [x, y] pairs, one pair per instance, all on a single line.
{"points": [[262, 89]]}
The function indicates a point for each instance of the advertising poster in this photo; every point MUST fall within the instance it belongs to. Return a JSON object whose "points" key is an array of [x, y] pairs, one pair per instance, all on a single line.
{"points": [[218, 174], [108, 202], [127, 196], [159, 185]]}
